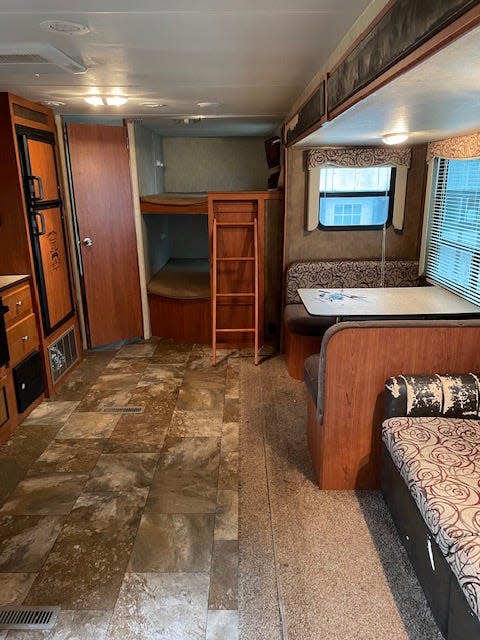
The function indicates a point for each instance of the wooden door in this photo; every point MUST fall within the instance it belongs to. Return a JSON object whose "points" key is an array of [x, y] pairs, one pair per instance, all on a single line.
{"points": [[102, 192]]}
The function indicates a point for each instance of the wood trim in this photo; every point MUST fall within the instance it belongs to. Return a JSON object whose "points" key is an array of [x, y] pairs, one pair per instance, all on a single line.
{"points": [[358, 360], [150, 207]]}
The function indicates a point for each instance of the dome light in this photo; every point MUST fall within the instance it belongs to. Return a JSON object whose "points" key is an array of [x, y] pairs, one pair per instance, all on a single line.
{"points": [[96, 101], [395, 138]]}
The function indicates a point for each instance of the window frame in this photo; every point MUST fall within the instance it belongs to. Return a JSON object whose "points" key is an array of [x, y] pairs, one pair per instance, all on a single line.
{"points": [[356, 194], [432, 241]]}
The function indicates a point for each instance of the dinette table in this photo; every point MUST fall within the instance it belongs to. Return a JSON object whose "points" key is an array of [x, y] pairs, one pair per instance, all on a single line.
{"points": [[387, 302]]}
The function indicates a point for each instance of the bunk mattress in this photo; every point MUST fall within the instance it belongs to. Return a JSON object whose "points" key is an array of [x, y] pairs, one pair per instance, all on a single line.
{"points": [[174, 203], [182, 279]]}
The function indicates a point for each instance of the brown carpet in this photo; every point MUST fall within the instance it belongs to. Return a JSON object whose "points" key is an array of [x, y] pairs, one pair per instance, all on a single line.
{"points": [[314, 565]]}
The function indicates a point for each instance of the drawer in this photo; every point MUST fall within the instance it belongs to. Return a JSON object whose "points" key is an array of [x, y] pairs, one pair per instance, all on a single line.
{"points": [[22, 339], [19, 301]]}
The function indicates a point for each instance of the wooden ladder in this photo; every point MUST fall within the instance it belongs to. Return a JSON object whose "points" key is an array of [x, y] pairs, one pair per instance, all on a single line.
{"points": [[231, 294]]}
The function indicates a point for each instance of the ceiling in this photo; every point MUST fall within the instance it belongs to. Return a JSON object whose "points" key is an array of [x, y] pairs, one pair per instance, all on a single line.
{"points": [[437, 99], [252, 57]]}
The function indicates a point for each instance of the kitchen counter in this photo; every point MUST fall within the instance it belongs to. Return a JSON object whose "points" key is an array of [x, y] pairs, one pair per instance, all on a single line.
{"points": [[10, 281]]}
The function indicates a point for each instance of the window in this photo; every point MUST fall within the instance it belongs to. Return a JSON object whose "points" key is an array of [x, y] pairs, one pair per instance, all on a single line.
{"points": [[356, 197], [453, 241]]}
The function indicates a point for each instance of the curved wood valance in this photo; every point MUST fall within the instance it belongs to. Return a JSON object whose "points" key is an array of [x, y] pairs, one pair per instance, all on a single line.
{"points": [[458, 148], [359, 157]]}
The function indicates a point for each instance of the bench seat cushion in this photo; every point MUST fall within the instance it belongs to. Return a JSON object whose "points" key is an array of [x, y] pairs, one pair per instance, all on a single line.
{"points": [[439, 460], [299, 321]]}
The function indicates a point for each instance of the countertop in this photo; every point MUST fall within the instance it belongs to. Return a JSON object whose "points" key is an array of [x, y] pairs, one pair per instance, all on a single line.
{"points": [[10, 281]]}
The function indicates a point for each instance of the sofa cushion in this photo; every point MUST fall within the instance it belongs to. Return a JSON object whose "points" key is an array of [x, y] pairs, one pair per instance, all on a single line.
{"points": [[334, 274], [299, 321], [439, 460], [310, 375]]}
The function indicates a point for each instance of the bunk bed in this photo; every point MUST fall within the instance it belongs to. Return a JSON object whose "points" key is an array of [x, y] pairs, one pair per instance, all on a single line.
{"points": [[173, 203], [179, 291]]}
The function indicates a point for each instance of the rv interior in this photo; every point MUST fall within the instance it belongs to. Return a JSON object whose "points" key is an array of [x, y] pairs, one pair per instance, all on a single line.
{"points": [[240, 320]]}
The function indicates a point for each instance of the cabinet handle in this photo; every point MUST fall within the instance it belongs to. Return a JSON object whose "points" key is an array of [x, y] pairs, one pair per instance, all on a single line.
{"points": [[25, 338], [19, 303]]}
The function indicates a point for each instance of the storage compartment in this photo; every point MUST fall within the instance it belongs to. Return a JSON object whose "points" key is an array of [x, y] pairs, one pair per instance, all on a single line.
{"points": [[22, 338], [28, 381]]}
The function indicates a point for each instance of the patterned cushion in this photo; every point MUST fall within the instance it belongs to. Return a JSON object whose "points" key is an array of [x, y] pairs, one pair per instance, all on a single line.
{"points": [[334, 274], [439, 459]]}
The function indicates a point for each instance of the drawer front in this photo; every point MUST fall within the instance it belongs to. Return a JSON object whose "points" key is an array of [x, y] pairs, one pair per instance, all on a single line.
{"points": [[19, 301], [22, 339]]}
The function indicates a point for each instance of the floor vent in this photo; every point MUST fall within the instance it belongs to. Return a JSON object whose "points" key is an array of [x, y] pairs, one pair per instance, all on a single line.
{"points": [[62, 354], [28, 618], [129, 409]]}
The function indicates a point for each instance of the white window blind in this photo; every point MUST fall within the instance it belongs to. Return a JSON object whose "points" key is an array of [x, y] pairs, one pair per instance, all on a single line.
{"points": [[453, 243]]}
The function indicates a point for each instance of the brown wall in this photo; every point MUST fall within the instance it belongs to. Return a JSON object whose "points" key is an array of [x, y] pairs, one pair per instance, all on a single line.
{"points": [[320, 244]]}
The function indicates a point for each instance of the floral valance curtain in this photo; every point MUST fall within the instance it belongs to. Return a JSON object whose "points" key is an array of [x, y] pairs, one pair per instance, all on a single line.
{"points": [[458, 148], [353, 157], [359, 157]]}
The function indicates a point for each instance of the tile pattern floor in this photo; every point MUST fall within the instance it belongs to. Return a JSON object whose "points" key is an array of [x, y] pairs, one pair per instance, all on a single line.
{"points": [[128, 522]]}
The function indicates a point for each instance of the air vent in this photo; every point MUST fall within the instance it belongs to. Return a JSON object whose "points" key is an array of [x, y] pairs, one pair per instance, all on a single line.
{"points": [[28, 618], [62, 354], [19, 58], [37, 57], [125, 409]]}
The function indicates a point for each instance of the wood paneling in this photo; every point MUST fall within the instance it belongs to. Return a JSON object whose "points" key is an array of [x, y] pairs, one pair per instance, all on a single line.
{"points": [[104, 209], [297, 348], [345, 448], [185, 320]]}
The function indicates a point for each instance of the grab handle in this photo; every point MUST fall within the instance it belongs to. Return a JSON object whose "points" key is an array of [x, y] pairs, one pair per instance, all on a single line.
{"points": [[33, 180]]}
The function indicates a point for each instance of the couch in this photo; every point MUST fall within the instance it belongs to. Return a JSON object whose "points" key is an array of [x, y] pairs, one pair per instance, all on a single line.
{"points": [[302, 332], [431, 483], [345, 384]]}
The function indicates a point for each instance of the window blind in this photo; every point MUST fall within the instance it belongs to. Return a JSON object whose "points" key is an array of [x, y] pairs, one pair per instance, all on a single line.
{"points": [[453, 241]]}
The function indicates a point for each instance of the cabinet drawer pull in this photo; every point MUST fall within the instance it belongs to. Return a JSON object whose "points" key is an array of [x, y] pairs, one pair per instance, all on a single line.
{"points": [[25, 338], [19, 303]]}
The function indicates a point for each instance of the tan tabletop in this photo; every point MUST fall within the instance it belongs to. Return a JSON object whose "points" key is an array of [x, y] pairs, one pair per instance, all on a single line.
{"points": [[388, 301]]}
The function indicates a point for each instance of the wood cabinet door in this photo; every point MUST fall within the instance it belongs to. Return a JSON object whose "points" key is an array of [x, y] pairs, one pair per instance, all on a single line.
{"points": [[100, 173]]}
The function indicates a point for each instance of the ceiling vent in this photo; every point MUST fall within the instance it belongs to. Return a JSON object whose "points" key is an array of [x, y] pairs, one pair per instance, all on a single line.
{"points": [[36, 57]]}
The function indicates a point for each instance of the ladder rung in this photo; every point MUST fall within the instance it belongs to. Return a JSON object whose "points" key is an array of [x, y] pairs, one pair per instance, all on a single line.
{"points": [[233, 330], [234, 224], [237, 295], [242, 258]]}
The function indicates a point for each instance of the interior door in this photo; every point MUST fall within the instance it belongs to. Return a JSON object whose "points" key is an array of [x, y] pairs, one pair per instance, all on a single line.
{"points": [[103, 203]]}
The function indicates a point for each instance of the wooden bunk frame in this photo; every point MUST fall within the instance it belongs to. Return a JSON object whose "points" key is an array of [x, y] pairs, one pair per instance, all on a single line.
{"points": [[174, 204]]}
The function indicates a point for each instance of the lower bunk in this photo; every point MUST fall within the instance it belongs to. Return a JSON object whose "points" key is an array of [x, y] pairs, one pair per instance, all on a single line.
{"points": [[179, 301]]}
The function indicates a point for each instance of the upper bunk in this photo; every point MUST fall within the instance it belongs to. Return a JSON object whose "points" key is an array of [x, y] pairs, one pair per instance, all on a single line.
{"points": [[174, 203]]}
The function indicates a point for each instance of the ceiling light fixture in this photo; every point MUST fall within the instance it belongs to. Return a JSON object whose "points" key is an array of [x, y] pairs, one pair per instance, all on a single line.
{"points": [[54, 103], [152, 105], [96, 101], [116, 101], [111, 101], [204, 105], [395, 138], [66, 27]]}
